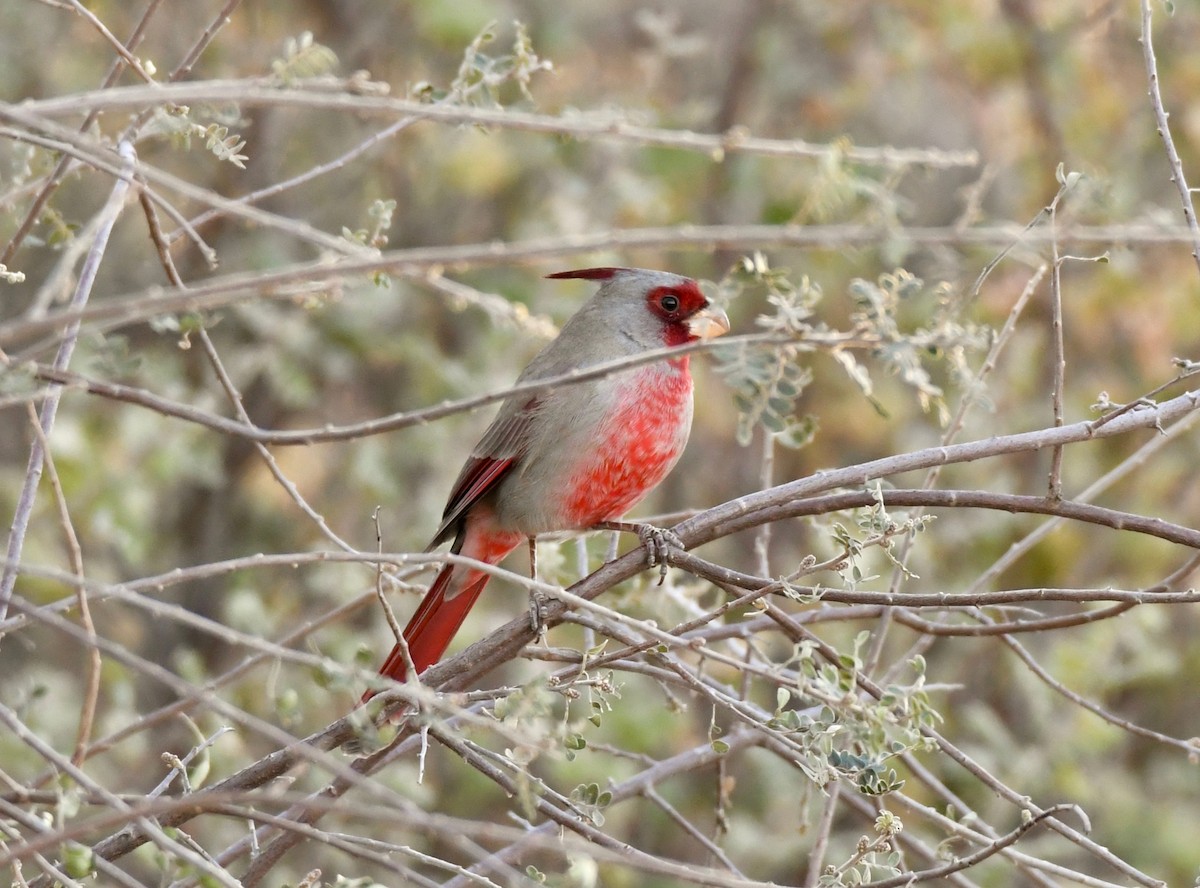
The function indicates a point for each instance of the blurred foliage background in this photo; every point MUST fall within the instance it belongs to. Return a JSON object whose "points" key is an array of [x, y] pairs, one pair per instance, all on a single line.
{"points": [[1027, 86]]}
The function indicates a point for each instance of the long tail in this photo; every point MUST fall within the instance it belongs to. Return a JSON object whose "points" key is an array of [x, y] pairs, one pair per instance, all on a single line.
{"points": [[447, 603], [435, 623]]}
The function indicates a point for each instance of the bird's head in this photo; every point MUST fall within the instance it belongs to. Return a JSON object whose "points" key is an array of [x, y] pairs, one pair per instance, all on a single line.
{"points": [[651, 308]]}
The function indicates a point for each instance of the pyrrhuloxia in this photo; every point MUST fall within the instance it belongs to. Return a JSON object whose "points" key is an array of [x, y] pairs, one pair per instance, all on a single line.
{"points": [[575, 456]]}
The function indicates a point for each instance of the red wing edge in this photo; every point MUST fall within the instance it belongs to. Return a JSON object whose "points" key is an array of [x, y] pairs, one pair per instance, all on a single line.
{"points": [[501, 446], [479, 475]]}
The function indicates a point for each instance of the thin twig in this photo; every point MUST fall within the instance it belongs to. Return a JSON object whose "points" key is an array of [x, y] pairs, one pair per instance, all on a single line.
{"points": [[33, 472], [816, 857], [91, 692], [1057, 352], [970, 765], [1164, 130], [962, 863], [973, 392], [66, 140], [309, 175], [52, 181], [762, 537], [119, 48], [147, 827]]}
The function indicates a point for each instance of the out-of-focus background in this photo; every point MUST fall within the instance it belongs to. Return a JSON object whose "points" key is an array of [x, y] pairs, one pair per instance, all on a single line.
{"points": [[936, 132]]}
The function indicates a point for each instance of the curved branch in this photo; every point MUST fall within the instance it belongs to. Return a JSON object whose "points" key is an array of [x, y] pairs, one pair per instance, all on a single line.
{"points": [[741, 513], [242, 428], [306, 278], [956, 499], [331, 95]]}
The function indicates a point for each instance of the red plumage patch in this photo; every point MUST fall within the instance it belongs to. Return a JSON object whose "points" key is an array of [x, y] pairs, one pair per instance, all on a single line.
{"points": [[587, 274], [636, 448], [687, 300], [674, 305]]}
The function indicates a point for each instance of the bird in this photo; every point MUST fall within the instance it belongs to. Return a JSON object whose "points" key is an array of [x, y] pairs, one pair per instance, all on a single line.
{"points": [[572, 457]]}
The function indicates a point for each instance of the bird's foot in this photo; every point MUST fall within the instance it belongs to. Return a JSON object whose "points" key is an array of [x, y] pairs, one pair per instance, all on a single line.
{"points": [[537, 598], [537, 614], [659, 541]]}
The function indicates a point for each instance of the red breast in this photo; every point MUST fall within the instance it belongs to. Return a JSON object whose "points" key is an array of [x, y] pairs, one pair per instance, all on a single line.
{"points": [[639, 442]]}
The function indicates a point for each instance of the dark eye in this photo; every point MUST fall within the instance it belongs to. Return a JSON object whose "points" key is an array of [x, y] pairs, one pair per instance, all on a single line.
{"points": [[669, 303]]}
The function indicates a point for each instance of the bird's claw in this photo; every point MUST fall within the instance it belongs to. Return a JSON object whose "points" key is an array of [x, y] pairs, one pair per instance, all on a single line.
{"points": [[537, 614], [658, 542]]}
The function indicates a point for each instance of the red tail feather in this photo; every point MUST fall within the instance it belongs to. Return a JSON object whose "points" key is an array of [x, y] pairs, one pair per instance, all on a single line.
{"points": [[434, 624], [449, 599]]}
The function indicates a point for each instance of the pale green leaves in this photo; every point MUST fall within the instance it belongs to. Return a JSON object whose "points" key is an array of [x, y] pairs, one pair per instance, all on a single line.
{"points": [[303, 57], [481, 77], [179, 124], [767, 383]]}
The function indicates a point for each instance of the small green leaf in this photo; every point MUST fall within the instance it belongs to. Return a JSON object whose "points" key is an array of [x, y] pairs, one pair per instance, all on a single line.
{"points": [[78, 861], [782, 697]]}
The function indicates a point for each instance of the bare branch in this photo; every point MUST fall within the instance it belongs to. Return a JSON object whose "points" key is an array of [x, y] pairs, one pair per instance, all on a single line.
{"points": [[332, 96], [1164, 131], [33, 472]]}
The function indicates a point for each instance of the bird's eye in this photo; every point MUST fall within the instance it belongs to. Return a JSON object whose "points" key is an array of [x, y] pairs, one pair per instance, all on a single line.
{"points": [[669, 302]]}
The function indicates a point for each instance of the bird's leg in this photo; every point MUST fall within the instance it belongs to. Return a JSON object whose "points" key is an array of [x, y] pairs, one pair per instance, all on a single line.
{"points": [[537, 600], [658, 541]]}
